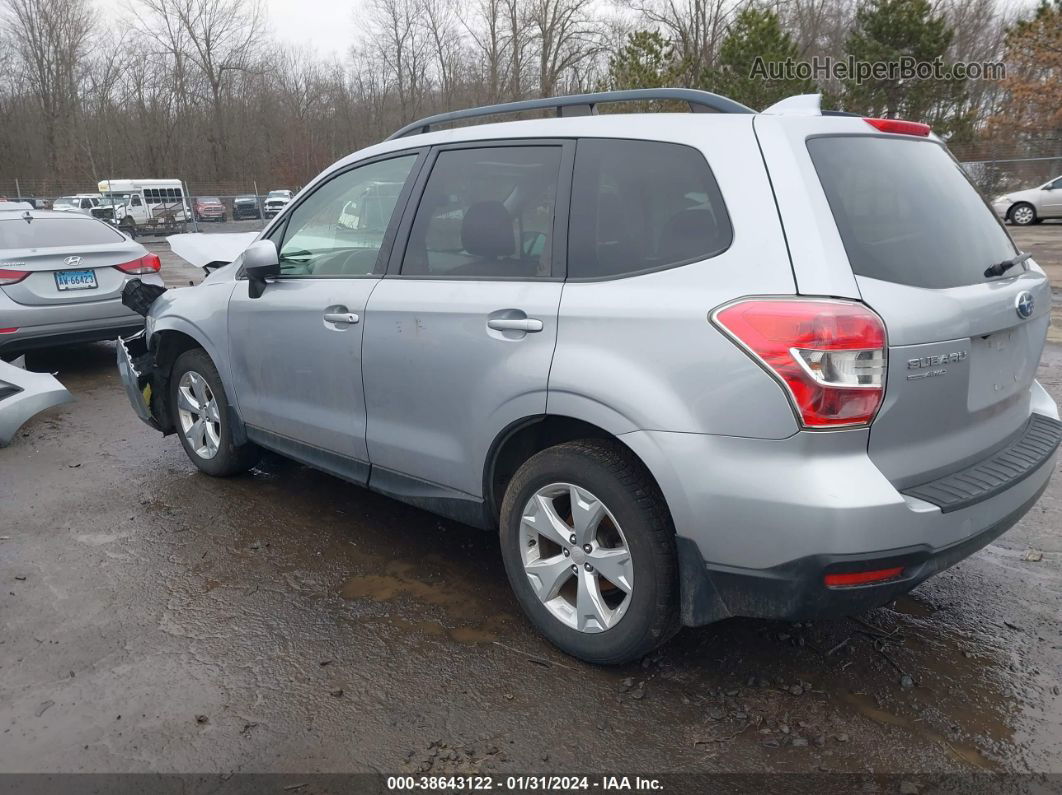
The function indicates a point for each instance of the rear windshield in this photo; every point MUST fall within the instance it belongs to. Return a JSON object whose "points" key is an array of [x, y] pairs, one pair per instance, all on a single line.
{"points": [[55, 233], [906, 211]]}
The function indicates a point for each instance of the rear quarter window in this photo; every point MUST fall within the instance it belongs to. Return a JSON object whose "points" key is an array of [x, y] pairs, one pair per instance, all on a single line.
{"points": [[906, 211], [640, 206], [56, 233]]}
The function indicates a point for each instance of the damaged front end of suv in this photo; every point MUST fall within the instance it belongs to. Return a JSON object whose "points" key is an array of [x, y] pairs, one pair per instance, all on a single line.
{"points": [[144, 380]]}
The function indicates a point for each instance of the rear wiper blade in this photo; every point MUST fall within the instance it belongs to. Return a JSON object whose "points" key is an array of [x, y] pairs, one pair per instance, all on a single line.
{"points": [[1002, 267]]}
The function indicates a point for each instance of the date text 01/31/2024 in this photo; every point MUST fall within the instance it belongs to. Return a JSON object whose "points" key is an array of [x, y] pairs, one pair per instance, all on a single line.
{"points": [[522, 783]]}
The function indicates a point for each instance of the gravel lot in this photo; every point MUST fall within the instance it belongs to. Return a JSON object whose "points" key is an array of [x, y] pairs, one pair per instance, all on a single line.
{"points": [[154, 619]]}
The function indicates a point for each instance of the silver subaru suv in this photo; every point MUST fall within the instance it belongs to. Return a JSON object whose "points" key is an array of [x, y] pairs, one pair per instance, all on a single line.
{"points": [[689, 366]]}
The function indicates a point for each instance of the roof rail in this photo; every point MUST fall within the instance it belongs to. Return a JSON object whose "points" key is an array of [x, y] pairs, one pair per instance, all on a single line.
{"points": [[583, 105]]}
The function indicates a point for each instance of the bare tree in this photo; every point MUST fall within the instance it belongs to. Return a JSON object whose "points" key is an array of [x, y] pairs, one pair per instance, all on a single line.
{"points": [[51, 39], [218, 37], [488, 35], [400, 42], [564, 35]]}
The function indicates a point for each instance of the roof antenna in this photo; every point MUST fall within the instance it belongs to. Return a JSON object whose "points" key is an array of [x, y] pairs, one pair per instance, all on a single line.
{"points": [[27, 216]]}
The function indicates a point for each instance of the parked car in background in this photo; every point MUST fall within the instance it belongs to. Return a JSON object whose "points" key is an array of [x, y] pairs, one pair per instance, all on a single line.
{"points": [[208, 208], [61, 279], [246, 207], [585, 332], [275, 201], [81, 203], [1031, 206]]}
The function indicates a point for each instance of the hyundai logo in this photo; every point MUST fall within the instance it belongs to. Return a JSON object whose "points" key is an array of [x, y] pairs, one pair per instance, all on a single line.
{"points": [[1023, 304], [74, 261]]}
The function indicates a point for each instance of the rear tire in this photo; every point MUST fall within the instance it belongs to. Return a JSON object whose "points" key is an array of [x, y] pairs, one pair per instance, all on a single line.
{"points": [[202, 418], [581, 610], [1022, 214]]}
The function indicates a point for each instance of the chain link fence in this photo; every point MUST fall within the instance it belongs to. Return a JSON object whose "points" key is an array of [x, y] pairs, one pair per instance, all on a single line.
{"points": [[245, 204]]}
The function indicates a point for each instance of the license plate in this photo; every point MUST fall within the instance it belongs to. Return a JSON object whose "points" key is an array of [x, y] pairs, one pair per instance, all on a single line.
{"points": [[76, 280]]}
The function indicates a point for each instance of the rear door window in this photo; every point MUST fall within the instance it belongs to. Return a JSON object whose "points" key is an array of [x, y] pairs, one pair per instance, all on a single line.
{"points": [[486, 213], [640, 206], [906, 211], [56, 233]]}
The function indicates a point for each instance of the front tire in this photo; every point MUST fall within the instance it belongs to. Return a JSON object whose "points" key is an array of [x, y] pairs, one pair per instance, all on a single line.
{"points": [[202, 418], [1022, 214], [610, 596]]}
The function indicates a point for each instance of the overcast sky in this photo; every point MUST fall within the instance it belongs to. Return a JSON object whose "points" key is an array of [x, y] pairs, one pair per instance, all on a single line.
{"points": [[326, 26]]}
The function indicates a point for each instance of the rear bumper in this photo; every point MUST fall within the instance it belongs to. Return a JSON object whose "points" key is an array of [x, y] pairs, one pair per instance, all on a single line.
{"points": [[58, 334], [795, 591], [760, 522]]}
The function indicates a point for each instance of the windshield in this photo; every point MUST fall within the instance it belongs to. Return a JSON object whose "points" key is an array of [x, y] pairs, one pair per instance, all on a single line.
{"points": [[906, 211], [66, 201], [76, 230], [209, 200], [110, 199], [279, 194]]}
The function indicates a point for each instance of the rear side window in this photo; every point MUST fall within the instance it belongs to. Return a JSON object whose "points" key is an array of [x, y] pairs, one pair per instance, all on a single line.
{"points": [[56, 233], [906, 211], [486, 213], [640, 206]]}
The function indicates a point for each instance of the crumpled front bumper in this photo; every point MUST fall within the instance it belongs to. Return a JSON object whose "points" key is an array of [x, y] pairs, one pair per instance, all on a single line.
{"points": [[24, 394], [133, 362]]}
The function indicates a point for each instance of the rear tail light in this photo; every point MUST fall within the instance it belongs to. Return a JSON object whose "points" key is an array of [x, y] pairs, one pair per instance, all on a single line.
{"points": [[849, 579], [829, 355], [11, 277], [149, 263], [900, 126], [10, 330]]}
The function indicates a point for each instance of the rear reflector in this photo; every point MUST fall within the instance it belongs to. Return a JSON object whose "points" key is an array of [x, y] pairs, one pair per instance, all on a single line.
{"points": [[899, 126], [849, 579], [149, 263], [11, 277], [828, 354]]}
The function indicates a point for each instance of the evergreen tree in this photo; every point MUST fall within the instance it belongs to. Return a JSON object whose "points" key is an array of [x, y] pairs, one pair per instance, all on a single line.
{"points": [[889, 31], [647, 60], [754, 41]]}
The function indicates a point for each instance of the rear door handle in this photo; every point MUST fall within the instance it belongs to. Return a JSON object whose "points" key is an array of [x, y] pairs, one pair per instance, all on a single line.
{"points": [[528, 324], [341, 317]]}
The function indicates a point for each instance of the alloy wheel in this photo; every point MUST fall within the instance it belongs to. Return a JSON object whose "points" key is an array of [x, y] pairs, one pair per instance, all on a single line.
{"points": [[197, 410], [576, 557]]}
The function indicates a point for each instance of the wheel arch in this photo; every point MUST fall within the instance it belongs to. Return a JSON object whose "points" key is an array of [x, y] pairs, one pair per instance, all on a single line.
{"points": [[167, 344], [521, 439]]}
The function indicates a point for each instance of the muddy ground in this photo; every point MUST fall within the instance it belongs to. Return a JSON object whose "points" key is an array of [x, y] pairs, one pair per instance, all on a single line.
{"points": [[155, 619]]}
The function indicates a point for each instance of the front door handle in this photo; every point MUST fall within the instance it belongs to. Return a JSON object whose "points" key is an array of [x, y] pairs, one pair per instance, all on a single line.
{"points": [[528, 324], [341, 317]]}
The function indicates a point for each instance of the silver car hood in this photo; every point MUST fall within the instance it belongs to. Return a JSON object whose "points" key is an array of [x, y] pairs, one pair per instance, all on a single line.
{"points": [[24, 394]]}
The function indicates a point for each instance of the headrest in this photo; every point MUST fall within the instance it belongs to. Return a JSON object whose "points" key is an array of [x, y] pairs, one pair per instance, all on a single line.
{"points": [[487, 230]]}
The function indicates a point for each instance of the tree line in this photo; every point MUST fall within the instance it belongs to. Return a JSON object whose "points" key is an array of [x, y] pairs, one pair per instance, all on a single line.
{"points": [[197, 89]]}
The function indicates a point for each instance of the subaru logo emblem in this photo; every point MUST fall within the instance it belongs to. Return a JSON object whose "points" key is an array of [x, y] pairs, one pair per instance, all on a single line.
{"points": [[1023, 304], [74, 261]]}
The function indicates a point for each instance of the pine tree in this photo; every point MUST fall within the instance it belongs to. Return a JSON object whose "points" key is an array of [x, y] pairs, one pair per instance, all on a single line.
{"points": [[647, 60], [755, 40], [889, 31]]}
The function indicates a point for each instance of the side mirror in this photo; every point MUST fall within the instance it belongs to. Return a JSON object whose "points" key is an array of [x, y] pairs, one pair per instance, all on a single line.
{"points": [[260, 262]]}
